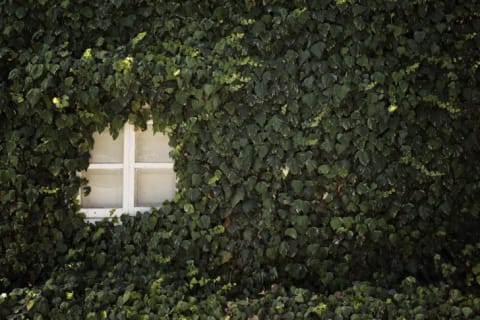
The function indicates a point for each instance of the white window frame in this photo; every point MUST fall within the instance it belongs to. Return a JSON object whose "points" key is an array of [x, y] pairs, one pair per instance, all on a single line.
{"points": [[128, 167]]}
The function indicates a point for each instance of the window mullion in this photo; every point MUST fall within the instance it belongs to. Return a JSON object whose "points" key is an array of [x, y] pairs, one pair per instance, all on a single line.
{"points": [[126, 146], [131, 164], [128, 150]]}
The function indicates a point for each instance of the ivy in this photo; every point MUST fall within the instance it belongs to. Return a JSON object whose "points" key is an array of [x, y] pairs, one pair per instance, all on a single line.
{"points": [[316, 144]]}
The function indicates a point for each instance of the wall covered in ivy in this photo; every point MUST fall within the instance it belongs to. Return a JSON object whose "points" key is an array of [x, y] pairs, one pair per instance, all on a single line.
{"points": [[316, 143]]}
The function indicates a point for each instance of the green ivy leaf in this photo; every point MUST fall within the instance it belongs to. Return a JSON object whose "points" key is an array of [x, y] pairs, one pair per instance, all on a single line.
{"points": [[476, 269], [291, 232], [205, 221], [363, 157], [225, 256], [36, 71], [87, 12], [68, 82], [126, 297], [419, 36], [196, 180], [341, 91], [318, 49], [238, 196], [138, 38], [309, 99], [33, 95], [297, 186], [98, 234], [261, 187], [208, 89], [217, 175], [324, 169], [336, 223], [189, 208]]}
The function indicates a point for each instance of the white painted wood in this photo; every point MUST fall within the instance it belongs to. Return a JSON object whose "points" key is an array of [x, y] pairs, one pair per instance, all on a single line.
{"points": [[128, 181], [153, 166], [100, 213], [105, 166], [146, 170]]}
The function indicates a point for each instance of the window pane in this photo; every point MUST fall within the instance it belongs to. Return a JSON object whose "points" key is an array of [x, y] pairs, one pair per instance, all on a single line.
{"points": [[153, 186], [107, 150], [106, 189], [151, 147]]}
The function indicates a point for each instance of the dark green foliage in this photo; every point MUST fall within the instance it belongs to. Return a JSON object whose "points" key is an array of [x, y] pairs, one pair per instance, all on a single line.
{"points": [[315, 144]]}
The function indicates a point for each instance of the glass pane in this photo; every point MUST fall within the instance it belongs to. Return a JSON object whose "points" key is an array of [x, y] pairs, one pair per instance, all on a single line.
{"points": [[106, 189], [107, 150], [151, 147], [153, 186]]}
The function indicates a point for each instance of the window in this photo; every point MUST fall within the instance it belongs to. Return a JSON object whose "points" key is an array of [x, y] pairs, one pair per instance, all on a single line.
{"points": [[129, 174]]}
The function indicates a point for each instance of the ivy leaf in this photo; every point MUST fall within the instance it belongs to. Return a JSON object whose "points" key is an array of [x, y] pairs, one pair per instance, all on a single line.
{"points": [[36, 71], [276, 123], [258, 28], [363, 61], [238, 196], [208, 89], [297, 186], [30, 304], [101, 260], [196, 180], [291, 232], [215, 177], [117, 3], [262, 151], [20, 12], [260, 89], [328, 79], [336, 223], [476, 269], [252, 131], [126, 296], [98, 234], [260, 119], [33, 95], [348, 222], [189, 208], [283, 249], [318, 48], [205, 221], [419, 36], [261, 187], [341, 91], [309, 99], [363, 157], [226, 256], [392, 108], [324, 169], [358, 9], [87, 12], [68, 82], [138, 38]]}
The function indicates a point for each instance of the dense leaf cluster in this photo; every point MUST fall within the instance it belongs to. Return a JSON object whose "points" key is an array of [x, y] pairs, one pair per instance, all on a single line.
{"points": [[315, 144]]}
